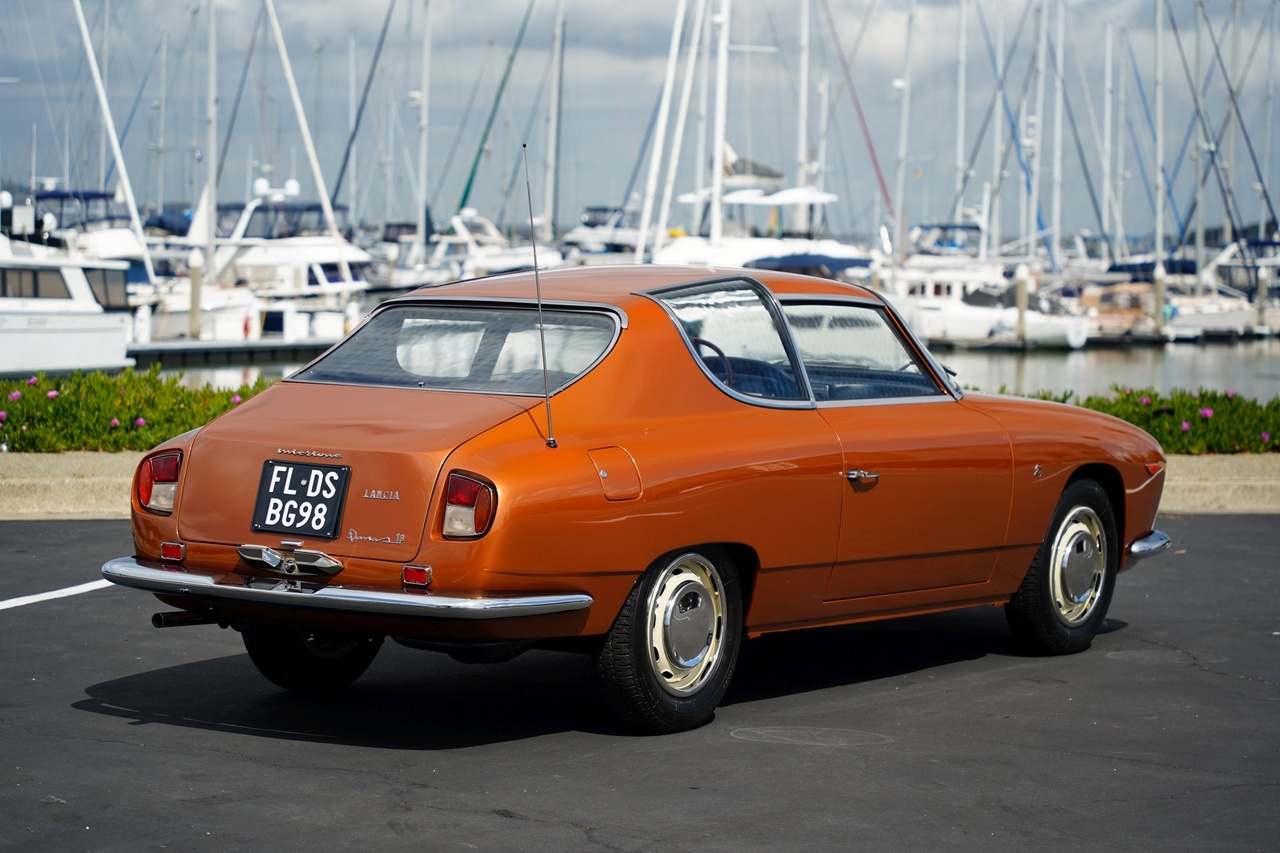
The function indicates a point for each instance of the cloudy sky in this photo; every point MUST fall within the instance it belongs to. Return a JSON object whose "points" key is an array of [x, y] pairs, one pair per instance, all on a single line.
{"points": [[615, 59]]}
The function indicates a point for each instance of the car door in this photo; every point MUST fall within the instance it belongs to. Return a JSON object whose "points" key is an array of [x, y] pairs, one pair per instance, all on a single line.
{"points": [[929, 480]]}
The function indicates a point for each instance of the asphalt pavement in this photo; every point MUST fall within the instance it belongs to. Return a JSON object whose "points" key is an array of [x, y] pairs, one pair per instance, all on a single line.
{"points": [[927, 733]]}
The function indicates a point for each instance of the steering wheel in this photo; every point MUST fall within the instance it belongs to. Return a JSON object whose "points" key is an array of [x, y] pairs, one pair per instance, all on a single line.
{"points": [[724, 359]]}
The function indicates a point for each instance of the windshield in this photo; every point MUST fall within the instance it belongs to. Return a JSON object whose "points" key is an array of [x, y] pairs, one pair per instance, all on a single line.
{"points": [[491, 349]]}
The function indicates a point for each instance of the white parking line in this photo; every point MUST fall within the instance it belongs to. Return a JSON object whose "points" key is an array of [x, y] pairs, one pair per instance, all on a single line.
{"points": [[57, 593]]}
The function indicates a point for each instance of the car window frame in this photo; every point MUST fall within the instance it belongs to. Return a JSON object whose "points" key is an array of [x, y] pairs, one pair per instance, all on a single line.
{"points": [[615, 313], [941, 377], [770, 301]]}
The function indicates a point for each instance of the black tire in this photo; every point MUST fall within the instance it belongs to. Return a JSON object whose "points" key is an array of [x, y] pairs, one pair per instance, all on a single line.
{"points": [[667, 661], [308, 661], [1064, 597]]}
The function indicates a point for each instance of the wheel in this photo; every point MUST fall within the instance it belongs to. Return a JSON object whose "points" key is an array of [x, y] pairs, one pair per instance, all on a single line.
{"points": [[666, 662], [1064, 597], [309, 661]]}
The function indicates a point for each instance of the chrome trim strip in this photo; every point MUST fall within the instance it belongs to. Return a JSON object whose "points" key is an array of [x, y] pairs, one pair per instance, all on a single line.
{"points": [[1150, 545], [130, 572]]}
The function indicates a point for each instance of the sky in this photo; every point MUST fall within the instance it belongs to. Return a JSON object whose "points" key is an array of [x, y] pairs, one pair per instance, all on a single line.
{"points": [[616, 55]]}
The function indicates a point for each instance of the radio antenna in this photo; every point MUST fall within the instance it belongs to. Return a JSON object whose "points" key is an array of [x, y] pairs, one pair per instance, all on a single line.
{"points": [[537, 289]]}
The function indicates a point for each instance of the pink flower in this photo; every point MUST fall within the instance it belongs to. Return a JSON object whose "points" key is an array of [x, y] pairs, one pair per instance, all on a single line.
{"points": [[1206, 413], [1185, 426], [1146, 401], [52, 395], [16, 395], [235, 401], [140, 422], [115, 422], [1231, 394], [4, 415], [32, 381], [1266, 436]]}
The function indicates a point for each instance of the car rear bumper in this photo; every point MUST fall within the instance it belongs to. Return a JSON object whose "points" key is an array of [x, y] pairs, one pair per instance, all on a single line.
{"points": [[1153, 543], [331, 598]]}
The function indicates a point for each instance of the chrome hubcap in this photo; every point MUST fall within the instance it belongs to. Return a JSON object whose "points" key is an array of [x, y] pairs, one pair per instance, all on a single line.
{"points": [[686, 618], [1079, 565]]}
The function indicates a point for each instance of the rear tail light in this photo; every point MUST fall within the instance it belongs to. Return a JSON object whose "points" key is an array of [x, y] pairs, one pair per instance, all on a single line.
{"points": [[469, 505], [158, 481]]}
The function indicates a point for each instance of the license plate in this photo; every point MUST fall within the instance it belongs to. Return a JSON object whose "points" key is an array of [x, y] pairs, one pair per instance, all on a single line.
{"points": [[301, 499]]}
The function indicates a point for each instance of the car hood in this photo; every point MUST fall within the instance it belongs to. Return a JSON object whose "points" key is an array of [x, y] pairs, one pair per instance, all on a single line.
{"points": [[394, 440]]}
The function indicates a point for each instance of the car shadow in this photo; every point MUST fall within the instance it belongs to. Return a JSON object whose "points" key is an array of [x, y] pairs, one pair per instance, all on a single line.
{"points": [[420, 701], [800, 661]]}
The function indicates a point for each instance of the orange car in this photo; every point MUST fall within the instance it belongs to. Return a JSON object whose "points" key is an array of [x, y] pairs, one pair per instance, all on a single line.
{"points": [[648, 464]]}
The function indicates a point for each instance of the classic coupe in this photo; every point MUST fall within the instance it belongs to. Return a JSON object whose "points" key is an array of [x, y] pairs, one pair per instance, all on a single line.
{"points": [[648, 464]]}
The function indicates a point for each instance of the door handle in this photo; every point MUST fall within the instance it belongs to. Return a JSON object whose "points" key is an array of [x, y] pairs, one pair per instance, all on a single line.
{"points": [[857, 475]]}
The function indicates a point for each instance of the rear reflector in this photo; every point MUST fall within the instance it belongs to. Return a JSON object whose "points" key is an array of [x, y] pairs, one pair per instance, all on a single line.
{"points": [[416, 576], [173, 551], [469, 506], [158, 481]]}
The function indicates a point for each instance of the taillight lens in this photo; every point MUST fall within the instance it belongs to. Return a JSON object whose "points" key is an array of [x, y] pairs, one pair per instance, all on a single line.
{"points": [[158, 481], [469, 505]]}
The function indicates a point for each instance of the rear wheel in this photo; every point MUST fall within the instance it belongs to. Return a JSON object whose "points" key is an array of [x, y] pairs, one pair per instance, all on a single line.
{"points": [[666, 662], [1065, 595], [309, 661]]}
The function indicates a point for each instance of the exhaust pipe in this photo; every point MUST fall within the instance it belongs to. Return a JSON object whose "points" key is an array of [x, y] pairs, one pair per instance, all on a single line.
{"points": [[179, 618]]}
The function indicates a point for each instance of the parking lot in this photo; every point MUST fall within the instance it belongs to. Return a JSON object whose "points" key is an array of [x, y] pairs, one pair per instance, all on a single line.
{"points": [[930, 733]]}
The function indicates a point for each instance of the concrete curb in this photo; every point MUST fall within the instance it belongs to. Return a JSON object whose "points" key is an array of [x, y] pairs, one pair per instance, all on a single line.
{"points": [[83, 484]]}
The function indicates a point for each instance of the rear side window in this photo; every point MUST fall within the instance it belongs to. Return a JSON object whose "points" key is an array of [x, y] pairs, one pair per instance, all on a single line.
{"points": [[491, 349], [853, 352], [737, 337]]}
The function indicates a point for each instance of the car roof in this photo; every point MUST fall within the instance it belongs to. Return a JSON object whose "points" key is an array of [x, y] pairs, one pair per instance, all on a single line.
{"points": [[621, 284]]}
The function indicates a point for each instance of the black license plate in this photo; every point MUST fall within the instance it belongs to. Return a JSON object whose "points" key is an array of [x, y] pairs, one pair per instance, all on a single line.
{"points": [[302, 499]]}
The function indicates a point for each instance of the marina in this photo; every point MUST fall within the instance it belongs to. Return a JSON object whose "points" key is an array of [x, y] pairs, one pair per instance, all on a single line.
{"points": [[1028, 259]]}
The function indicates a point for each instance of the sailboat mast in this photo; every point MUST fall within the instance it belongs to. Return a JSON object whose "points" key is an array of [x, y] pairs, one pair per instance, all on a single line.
{"points": [[904, 129], [677, 138], [1059, 83], [1271, 85], [961, 70], [1157, 271], [547, 231], [110, 126], [424, 100], [802, 134], [721, 120], [307, 142], [660, 133]]}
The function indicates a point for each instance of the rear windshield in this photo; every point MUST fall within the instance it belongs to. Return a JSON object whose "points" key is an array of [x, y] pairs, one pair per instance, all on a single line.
{"points": [[490, 349]]}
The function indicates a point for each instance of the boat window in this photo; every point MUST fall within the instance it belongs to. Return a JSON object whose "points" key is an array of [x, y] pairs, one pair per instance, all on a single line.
{"points": [[854, 352], [110, 287], [733, 332], [33, 284], [492, 349]]}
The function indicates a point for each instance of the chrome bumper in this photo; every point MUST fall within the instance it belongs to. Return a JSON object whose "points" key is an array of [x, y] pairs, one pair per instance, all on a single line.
{"points": [[225, 586], [1148, 546]]}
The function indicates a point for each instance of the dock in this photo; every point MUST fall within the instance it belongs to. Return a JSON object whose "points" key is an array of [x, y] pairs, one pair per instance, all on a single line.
{"points": [[196, 353]]}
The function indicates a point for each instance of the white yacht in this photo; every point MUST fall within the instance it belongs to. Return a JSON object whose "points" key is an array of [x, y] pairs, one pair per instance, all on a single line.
{"points": [[50, 318]]}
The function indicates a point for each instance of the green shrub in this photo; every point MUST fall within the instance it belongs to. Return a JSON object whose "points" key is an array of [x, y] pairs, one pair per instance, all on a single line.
{"points": [[137, 411], [106, 411], [1192, 422]]}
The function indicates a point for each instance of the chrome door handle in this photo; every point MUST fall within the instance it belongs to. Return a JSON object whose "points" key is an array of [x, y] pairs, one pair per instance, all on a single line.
{"points": [[857, 475]]}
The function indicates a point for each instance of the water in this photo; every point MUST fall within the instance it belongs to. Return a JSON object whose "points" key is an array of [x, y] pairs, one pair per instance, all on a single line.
{"points": [[1251, 368]]}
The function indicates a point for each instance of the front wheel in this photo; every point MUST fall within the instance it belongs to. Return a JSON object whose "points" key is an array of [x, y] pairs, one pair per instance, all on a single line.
{"points": [[1064, 597], [308, 661], [666, 662]]}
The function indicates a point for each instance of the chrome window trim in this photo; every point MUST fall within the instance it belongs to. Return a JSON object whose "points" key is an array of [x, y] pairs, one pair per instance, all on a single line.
{"points": [[773, 307], [617, 314], [940, 374]]}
